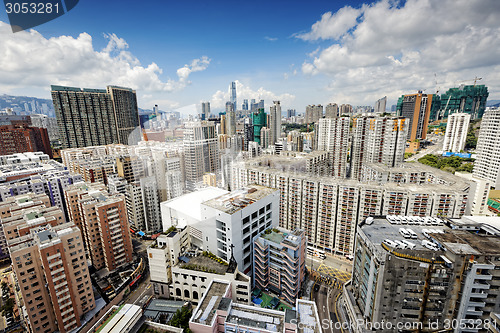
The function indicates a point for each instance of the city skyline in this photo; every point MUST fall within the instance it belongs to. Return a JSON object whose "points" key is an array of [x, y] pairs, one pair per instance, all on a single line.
{"points": [[325, 52]]}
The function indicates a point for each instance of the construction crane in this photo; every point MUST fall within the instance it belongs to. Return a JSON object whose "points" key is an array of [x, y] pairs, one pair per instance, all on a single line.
{"points": [[474, 79]]}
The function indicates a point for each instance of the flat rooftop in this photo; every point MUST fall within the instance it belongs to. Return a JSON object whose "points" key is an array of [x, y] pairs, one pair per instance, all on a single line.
{"points": [[308, 317], [466, 242], [204, 313], [254, 317], [190, 204], [279, 236], [381, 229], [234, 201], [201, 261]]}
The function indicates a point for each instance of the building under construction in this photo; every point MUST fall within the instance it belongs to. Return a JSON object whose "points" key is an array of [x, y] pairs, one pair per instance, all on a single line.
{"points": [[421, 273]]}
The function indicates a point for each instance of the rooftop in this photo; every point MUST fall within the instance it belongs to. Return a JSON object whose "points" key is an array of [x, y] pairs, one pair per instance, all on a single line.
{"points": [[262, 319], [381, 229], [234, 201], [211, 300], [205, 263], [190, 204], [308, 317]]}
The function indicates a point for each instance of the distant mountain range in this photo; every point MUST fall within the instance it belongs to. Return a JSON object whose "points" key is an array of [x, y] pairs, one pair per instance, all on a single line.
{"points": [[493, 102], [25, 105]]}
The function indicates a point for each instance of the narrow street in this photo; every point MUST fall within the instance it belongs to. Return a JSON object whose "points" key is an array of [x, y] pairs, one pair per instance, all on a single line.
{"points": [[326, 301]]}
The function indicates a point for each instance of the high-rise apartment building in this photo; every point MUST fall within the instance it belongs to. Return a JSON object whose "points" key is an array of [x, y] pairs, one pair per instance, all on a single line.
{"points": [[14, 206], [265, 137], [275, 123], [417, 108], [22, 139], [244, 106], [201, 151], [313, 113], [49, 123], [377, 140], [102, 217], [380, 105], [290, 113], [487, 164], [51, 183], [332, 111], [151, 204], [345, 109], [230, 122], [333, 137], [424, 275], [456, 132], [51, 269], [329, 209], [205, 110], [90, 117], [279, 258]]}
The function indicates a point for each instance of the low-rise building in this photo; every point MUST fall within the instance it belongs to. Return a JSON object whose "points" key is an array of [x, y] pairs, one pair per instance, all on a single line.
{"points": [[217, 311]]}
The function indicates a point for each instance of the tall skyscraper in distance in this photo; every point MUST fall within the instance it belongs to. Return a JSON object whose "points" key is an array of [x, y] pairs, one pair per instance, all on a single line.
{"points": [[487, 164], [313, 113], [290, 113], [92, 117], [456, 132], [205, 110], [417, 108], [331, 110], [346, 109], [244, 106], [275, 124], [156, 111], [380, 105], [259, 121], [201, 151], [233, 95], [261, 104]]}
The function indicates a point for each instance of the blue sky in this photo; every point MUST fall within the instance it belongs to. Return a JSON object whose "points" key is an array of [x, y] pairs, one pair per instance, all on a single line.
{"points": [[300, 52]]}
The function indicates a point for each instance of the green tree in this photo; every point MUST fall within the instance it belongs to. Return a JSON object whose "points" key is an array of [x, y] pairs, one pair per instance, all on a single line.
{"points": [[181, 319]]}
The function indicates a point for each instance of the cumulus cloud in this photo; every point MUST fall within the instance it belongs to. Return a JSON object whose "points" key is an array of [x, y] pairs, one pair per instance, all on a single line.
{"points": [[393, 47], [28, 59], [333, 25], [220, 97]]}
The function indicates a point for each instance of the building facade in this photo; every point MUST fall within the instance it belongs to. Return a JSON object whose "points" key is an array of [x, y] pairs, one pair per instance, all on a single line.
{"points": [[456, 132], [487, 164], [279, 262], [90, 117]]}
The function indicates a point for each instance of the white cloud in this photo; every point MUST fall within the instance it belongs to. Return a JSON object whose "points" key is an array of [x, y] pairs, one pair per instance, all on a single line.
{"points": [[393, 47], [220, 97], [333, 26], [28, 59], [271, 39]]}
